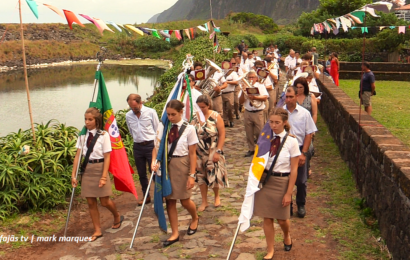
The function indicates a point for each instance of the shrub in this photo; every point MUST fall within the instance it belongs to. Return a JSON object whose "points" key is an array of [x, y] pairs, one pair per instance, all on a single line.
{"points": [[249, 39], [265, 23]]}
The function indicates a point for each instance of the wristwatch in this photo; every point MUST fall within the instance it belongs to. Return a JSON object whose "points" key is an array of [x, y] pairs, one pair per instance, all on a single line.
{"points": [[304, 153], [193, 175], [219, 151]]}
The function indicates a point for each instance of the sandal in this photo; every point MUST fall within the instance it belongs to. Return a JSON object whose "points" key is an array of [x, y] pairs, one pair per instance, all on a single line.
{"points": [[93, 238], [121, 220]]}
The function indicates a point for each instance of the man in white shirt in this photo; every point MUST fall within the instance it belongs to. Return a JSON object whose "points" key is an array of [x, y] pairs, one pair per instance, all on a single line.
{"points": [[255, 56], [228, 95], [302, 126], [290, 61], [253, 116], [274, 77], [269, 87], [250, 62], [142, 123]]}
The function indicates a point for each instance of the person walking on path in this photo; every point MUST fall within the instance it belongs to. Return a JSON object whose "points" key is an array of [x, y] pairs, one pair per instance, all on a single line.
{"points": [[273, 200], [368, 88], [211, 166], [182, 139], [302, 126], [95, 181], [334, 68], [142, 123]]}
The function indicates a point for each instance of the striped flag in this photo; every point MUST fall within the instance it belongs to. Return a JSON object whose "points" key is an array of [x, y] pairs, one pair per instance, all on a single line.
{"points": [[258, 164], [162, 183]]}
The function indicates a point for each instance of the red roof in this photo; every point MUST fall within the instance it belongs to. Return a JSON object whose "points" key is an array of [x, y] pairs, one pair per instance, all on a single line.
{"points": [[404, 7]]}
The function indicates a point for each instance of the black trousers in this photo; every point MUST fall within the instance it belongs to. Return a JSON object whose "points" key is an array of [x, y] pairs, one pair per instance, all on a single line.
{"points": [[142, 157], [301, 182]]}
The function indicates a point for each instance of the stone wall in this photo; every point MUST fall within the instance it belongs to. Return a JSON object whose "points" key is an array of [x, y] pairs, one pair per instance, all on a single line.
{"points": [[383, 177], [381, 70]]}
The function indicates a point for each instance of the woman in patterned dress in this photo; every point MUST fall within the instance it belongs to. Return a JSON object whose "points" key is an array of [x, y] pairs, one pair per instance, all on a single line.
{"points": [[211, 168]]}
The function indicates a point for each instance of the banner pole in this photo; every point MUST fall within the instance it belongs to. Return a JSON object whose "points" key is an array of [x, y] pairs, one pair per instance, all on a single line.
{"points": [[142, 208], [25, 73], [73, 191], [233, 242]]}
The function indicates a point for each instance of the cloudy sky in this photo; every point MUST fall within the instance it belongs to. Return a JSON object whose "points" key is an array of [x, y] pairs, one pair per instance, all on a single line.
{"points": [[120, 11]]}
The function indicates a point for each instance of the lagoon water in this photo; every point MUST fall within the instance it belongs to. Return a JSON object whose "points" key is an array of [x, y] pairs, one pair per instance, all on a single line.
{"points": [[64, 93]]}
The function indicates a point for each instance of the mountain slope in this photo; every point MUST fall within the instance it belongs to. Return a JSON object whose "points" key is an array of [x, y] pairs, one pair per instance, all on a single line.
{"points": [[282, 11]]}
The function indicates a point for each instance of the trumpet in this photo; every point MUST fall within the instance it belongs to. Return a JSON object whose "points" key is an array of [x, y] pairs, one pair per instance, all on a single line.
{"points": [[255, 103]]}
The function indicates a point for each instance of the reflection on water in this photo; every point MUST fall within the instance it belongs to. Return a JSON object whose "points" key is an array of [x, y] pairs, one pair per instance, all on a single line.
{"points": [[64, 93]]}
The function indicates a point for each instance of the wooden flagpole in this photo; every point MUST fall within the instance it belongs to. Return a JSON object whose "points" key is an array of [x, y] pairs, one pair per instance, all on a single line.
{"points": [[210, 6], [25, 73]]}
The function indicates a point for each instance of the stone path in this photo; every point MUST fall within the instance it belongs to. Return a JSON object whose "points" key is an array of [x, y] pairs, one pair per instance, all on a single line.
{"points": [[216, 226]]}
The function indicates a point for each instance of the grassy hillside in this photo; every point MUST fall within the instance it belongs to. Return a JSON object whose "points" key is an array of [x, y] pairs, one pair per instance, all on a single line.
{"points": [[56, 42]]}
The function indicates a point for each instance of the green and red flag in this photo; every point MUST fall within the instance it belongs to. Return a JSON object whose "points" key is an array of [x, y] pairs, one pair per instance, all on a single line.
{"points": [[119, 164]]}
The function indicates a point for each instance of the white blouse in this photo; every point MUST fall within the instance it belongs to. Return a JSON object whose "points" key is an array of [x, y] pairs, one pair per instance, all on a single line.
{"points": [[289, 150], [187, 138], [102, 145]]}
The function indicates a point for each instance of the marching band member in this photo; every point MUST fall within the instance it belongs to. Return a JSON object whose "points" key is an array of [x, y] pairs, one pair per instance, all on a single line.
{"points": [[228, 96], [274, 77], [182, 167], [253, 116], [211, 167], [237, 106], [290, 61], [217, 98], [259, 65], [273, 200], [95, 181], [142, 123]]}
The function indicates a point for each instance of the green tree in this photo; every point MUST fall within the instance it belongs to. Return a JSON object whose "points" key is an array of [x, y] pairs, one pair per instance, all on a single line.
{"points": [[340, 7]]}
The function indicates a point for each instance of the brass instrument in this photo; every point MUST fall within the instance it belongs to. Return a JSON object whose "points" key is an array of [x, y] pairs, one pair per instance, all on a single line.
{"points": [[255, 103], [208, 84]]}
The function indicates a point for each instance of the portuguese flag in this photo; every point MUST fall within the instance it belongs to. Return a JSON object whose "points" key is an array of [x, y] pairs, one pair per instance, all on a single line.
{"points": [[119, 165]]}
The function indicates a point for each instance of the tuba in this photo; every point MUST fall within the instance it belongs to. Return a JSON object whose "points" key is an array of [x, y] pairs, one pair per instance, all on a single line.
{"points": [[255, 103], [208, 84]]}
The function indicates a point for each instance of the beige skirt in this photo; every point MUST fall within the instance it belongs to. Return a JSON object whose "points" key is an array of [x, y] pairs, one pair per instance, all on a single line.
{"points": [[178, 175], [91, 179], [268, 201]]}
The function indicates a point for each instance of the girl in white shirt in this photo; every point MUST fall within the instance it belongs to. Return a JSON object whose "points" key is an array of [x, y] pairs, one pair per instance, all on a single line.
{"points": [[273, 200], [181, 168], [95, 181]]}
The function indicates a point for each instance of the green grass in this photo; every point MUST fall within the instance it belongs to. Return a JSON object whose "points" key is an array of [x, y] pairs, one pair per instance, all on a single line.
{"points": [[355, 239], [391, 105]]}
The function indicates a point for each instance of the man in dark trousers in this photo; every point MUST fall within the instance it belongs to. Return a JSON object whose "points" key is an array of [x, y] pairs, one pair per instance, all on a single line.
{"points": [[142, 124], [302, 126]]}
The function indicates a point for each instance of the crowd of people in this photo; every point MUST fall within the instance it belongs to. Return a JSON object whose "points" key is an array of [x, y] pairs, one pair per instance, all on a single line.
{"points": [[249, 89]]}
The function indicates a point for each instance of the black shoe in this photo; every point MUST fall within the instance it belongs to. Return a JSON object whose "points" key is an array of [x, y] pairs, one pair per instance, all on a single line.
{"points": [[170, 242], [190, 231], [287, 247], [301, 211], [231, 124], [249, 153]]}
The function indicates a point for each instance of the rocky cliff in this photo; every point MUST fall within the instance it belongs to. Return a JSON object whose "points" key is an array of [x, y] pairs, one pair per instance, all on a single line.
{"points": [[282, 11]]}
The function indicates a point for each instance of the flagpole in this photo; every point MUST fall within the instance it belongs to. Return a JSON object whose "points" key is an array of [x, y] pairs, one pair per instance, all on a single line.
{"points": [[100, 58], [142, 207], [25, 73], [210, 6], [233, 242], [73, 191]]}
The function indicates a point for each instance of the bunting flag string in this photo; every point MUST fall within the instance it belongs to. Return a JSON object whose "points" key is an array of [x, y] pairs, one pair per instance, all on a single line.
{"points": [[349, 20], [401, 29], [208, 27]]}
